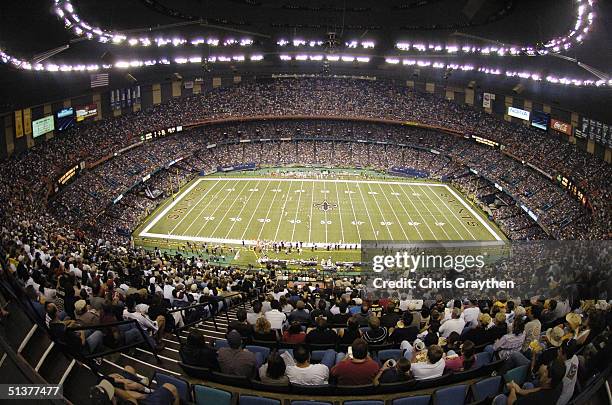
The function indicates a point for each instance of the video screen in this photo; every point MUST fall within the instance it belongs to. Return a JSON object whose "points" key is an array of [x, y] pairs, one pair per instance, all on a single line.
{"points": [[42, 126], [64, 119], [86, 111], [540, 120]]}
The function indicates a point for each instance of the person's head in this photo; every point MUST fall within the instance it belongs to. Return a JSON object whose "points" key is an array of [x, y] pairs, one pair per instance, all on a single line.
{"points": [[518, 326], [343, 306], [391, 307], [431, 339], [365, 308], [257, 307], [403, 366], [469, 354], [552, 305], [321, 323], [275, 305], [300, 305], [295, 328], [262, 325], [425, 312], [509, 306], [434, 354], [500, 319], [234, 339], [374, 322], [456, 313], [352, 323], [241, 315], [80, 307], [196, 338], [322, 305], [484, 320], [276, 365], [407, 318], [51, 310], [534, 312], [301, 354], [360, 349], [552, 374], [31, 293], [567, 349]]}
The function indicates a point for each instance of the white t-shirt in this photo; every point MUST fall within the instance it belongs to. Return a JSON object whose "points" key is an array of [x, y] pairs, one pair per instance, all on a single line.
{"points": [[314, 374], [276, 318], [424, 371], [470, 315], [450, 326], [569, 380]]}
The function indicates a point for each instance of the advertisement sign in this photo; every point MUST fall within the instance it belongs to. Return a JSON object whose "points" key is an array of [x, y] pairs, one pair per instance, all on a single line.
{"points": [[540, 120], [518, 113], [561, 126], [86, 111]]}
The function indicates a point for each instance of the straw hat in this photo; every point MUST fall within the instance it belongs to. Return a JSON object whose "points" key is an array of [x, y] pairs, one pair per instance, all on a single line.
{"points": [[574, 320], [555, 335]]}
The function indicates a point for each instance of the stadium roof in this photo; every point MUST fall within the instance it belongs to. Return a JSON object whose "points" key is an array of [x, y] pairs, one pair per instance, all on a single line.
{"points": [[320, 28]]}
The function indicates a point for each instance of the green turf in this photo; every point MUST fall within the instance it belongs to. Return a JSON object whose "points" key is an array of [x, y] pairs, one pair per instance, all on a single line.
{"points": [[258, 207]]}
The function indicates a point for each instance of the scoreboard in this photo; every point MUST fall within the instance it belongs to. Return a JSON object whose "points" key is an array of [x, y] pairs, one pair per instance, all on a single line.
{"points": [[574, 190], [595, 131]]}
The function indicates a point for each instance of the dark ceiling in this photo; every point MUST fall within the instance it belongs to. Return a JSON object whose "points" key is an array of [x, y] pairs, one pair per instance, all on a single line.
{"points": [[29, 27]]}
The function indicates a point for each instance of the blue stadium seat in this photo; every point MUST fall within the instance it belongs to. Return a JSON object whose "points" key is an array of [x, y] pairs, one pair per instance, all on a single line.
{"points": [[518, 375], [387, 354], [454, 395], [219, 343], [364, 403], [415, 400], [486, 388], [207, 395], [265, 351], [251, 400], [310, 403], [182, 386], [482, 359]]}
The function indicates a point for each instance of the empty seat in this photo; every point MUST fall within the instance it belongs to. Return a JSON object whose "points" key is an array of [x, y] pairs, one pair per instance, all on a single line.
{"points": [[181, 385], [486, 388], [196, 372], [482, 359], [265, 351], [258, 385], [415, 400], [207, 395], [230, 379], [387, 354], [454, 395], [251, 400]]}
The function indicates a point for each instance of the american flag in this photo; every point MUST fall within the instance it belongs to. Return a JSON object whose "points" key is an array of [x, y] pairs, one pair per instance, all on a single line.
{"points": [[99, 80]]}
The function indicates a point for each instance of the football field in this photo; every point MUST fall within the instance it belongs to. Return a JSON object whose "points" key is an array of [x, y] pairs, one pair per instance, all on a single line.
{"points": [[320, 212]]}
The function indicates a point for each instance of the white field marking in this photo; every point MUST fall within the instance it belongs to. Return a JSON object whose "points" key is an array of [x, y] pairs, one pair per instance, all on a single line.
{"points": [[410, 221], [310, 219], [433, 235], [253, 191], [444, 216], [297, 210], [263, 224], [221, 204], [384, 220], [474, 214], [176, 201], [393, 211], [326, 191], [227, 211], [455, 215], [339, 212], [202, 211], [145, 234], [375, 234], [355, 221], [255, 210], [283, 210]]}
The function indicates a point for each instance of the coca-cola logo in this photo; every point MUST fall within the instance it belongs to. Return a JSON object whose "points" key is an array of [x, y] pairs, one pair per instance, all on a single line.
{"points": [[561, 126]]}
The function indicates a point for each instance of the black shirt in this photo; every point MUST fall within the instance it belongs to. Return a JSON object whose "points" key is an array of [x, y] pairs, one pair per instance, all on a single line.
{"points": [[543, 396], [200, 356], [400, 334], [390, 320], [321, 336]]}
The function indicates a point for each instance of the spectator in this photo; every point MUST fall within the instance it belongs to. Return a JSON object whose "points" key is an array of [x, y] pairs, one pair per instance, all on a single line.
{"points": [[375, 334], [391, 316], [358, 368], [321, 334], [234, 359], [197, 352], [479, 335], [533, 327], [273, 371], [548, 391], [567, 354], [262, 331], [404, 329], [434, 367], [276, 318], [394, 371], [299, 314], [465, 361], [294, 334], [348, 335], [511, 342], [455, 324], [255, 313], [302, 372], [241, 325]]}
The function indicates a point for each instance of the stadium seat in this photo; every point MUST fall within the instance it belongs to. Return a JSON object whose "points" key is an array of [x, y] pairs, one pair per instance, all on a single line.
{"points": [[260, 386], [181, 385], [454, 395], [482, 359], [364, 403], [196, 372], [435, 382], [415, 400], [467, 374], [387, 354], [310, 390], [518, 375], [264, 351], [310, 403], [251, 400], [219, 343], [208, 395], [402, 386], [486, 388], [229, 379], [354, 389]]}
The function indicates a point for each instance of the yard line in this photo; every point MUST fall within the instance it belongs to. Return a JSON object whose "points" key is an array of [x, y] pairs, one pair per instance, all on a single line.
{"points": [[367, 212], [354, 214], [433, 234], [381, 213], [283, 210], [325, 211], [246, 228], [339, 211], [437, 217], [242, 209], [310, 218], [227, 211], [393, 210], [217, 208], [191, 209], [263, 224], [195, 220], [456, 217], [297, 210], [408, 215]]}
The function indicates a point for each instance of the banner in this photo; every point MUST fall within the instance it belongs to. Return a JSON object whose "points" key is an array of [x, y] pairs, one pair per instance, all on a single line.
{"points": [[486, 100], [123, 98], [27, 121], [518, 113], [561, 126], [18, 124], [596, 131]]}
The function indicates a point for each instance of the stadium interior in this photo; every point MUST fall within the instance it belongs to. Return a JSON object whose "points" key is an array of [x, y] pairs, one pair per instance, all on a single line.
{"points": [[193, 194]]}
